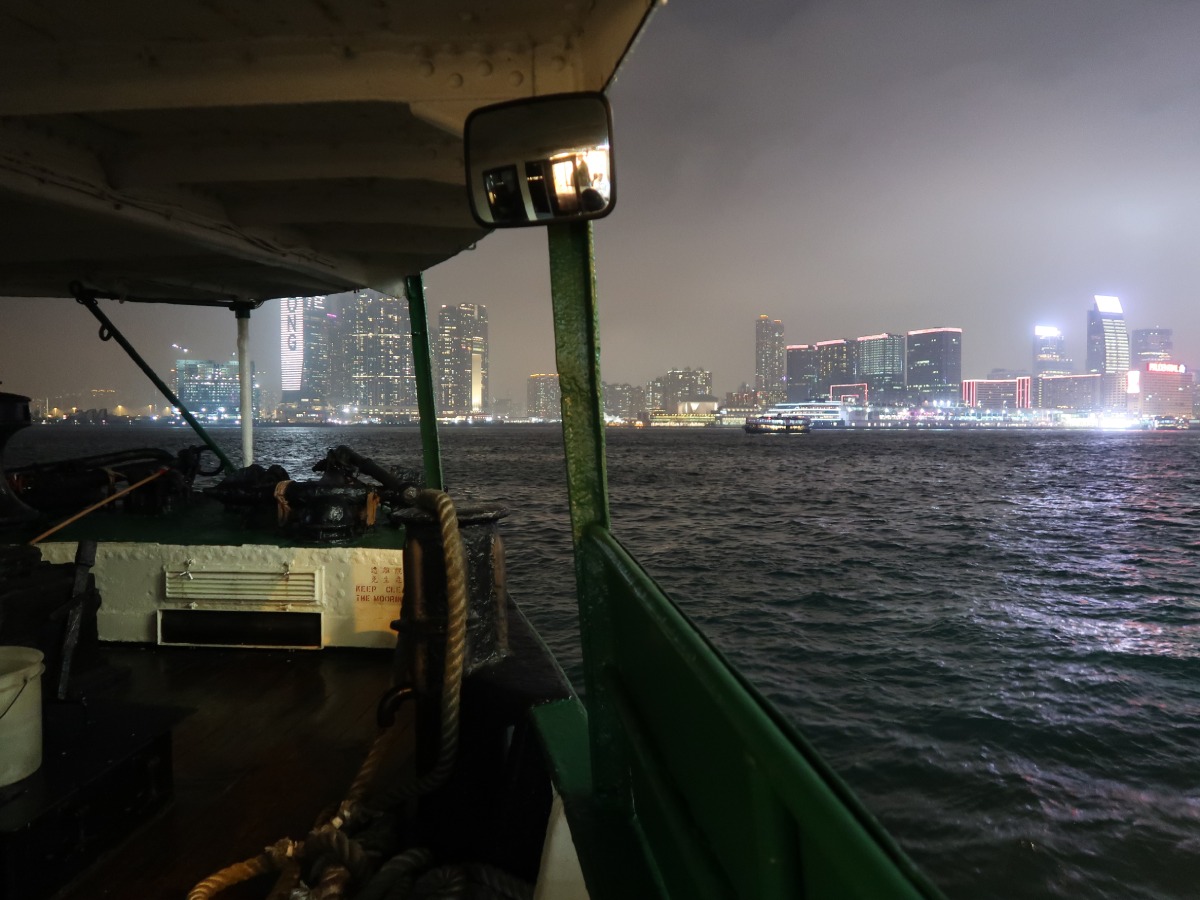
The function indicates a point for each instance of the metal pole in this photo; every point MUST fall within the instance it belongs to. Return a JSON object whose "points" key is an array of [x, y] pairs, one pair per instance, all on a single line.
{"points": [[577, 351], [246, 383], [431, 451], [109, 330]]}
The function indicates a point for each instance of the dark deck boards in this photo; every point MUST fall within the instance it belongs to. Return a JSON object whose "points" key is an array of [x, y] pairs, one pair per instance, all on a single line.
{"points": [[274, 737]]}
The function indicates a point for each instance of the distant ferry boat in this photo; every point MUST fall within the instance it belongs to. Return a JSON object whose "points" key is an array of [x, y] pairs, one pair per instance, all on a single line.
{"points": [[798, 418]]}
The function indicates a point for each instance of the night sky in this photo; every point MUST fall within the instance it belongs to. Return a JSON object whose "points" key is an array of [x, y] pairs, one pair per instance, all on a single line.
{"points": [[847, 166]]}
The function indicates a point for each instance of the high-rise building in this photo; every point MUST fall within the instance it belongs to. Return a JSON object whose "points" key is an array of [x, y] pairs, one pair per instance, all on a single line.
{"points": [[1108, 350], [624, 401], [305, 326], [372, 368], [803, 378], [463, 356], [667, 391], [1049, 358], [835, 363], [770, 361], [544, 397], [211, 390], [1151, 345], [1075, 392], [933, 364], [880, 364], [1161, 388]]}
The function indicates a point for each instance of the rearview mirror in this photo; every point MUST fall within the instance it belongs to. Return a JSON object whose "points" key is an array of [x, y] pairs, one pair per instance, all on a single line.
{"points": [[547, 159]]}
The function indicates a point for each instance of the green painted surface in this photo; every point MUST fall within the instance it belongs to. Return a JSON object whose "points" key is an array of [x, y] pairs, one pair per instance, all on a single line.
{"points": [[431, 451]]}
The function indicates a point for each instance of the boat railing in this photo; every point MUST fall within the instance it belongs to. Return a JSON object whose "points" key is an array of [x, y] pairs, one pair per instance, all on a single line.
{"points": [[720, 795]]}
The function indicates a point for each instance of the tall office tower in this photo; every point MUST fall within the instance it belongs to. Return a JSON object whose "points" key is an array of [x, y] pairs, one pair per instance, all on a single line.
{"points": [[1108, 350], [770, 361], [463, 355], [803, 378], [373, 370], [933, 364], [305, 324], [1050, 352], [211, 390], [881, 366], [544, 401], [1151, 345], [836, 363]]}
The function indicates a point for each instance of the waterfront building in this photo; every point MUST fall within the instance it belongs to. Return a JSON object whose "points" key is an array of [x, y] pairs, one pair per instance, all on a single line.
{"points": [[1108, 350], [858, 394], [1151, 345], [372, 373], [1161, 388], [880, 364], [544, 397], [770, 370], [666, 391], [462, 354], [624, 401], [211, 390], [933, 364], [305, 327], [835, 363], [998, 393], [803, 377], [1075, 392]]}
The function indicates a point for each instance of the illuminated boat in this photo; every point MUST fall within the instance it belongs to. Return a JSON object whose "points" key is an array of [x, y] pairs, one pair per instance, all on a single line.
{"points": [[230, 155]]}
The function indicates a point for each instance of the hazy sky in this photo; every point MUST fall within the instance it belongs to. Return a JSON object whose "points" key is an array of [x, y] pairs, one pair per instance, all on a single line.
{"points": [[847, 166]]}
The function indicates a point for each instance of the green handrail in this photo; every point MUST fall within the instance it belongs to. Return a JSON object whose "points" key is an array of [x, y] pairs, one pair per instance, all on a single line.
{"points": [[431, 450]]}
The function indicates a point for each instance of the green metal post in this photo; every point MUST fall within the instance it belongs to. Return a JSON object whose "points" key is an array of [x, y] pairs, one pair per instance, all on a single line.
{"points": [[109, 330], [431, 450], [577, 350]]}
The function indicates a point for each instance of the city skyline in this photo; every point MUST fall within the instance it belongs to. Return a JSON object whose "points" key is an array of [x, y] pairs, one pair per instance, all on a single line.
{"points": [[990, 165]]}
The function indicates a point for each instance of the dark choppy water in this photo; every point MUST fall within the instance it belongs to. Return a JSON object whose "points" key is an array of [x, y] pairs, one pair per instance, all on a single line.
{"points": [[994, 637]]}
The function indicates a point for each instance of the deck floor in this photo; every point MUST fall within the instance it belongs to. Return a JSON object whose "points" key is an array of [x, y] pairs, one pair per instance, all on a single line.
{"points": [[273, 738]]}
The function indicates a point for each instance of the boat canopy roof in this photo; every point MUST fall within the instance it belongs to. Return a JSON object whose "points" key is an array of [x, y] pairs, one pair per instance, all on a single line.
{"points": [[218, 151]]}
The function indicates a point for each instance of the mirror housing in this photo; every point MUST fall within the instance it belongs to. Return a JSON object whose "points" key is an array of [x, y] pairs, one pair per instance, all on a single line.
{"points": [[541, 160]]}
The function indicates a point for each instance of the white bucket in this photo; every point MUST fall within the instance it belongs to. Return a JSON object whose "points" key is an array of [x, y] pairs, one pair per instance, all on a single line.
{"points": [[20, 713]]}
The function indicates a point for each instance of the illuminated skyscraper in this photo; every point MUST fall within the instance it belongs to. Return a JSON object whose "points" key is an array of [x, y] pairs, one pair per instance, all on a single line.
{"points": [[304, 344], [373, 367], [1151, 345], [880, 365], [462, 353], [544, 399], [770, 361], [933, 364], [211, 390], [1050, 352], [803, 379], [1108, 350]]}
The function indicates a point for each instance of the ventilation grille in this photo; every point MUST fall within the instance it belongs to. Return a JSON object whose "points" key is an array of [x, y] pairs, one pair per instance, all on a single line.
{"points": [[270, 588]]}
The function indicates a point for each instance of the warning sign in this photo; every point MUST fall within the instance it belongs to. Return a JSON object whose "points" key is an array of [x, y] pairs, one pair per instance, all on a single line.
{"points": [[378, 584]]}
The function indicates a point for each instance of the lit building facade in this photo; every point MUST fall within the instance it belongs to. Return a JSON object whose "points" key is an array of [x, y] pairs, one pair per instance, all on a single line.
{"points": [[667, 391], [624, 401], [544, 400], [933, 364], [880, 364], [1151, 345], [1108, 350], [211, 390], [803, 377], [1161, 388], [835, 363], [307, 329], [1074, 392], [998, 393], [463, 357], [372, 367], [770, 369]]}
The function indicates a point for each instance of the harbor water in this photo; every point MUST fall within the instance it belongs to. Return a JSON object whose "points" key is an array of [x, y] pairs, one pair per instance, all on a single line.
{"points": [[993, 636]]}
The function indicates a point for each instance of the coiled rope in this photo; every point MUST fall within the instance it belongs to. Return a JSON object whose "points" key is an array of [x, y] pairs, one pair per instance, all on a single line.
{"points": [[346, 859]]}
